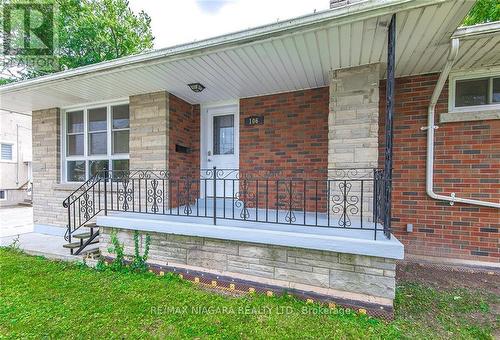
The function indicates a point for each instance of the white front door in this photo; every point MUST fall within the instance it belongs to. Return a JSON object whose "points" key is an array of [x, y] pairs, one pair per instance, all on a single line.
{"points": [[221, 147]]}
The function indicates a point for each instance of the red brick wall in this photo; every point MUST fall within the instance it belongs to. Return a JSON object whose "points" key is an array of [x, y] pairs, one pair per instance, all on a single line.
{"points": [[184, 130], [294, 137], [467, 162]]}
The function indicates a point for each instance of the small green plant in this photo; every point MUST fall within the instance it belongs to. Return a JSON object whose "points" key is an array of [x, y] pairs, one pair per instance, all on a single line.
{"points": [[15, 246], [117, 249], [101, 264], [139, 262]]}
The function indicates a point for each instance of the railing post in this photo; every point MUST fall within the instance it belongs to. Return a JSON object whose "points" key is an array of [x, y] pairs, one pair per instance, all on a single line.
{"points": [[69, 221], [215, 195], [105, 195]]}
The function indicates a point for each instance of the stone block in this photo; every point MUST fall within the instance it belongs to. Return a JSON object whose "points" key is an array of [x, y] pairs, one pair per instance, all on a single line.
{"points": [[298, 276], [375, 285]]}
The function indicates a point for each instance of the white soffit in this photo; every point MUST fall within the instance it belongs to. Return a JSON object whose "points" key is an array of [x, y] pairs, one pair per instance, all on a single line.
{"points": [[294, 58]]}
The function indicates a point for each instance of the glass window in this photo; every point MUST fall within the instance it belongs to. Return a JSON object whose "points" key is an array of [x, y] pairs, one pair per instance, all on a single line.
{"points": [[120, 129], [120, 168], [98, 143], [120, 141], [97, 131], [75, 145], [224, 135], [88, 134], [75, 121], [74, 140], [6, 152], [75, 171], [495, 98], [120, 117], [97, 119], [471, 92], [3, 195], [97, 166]]}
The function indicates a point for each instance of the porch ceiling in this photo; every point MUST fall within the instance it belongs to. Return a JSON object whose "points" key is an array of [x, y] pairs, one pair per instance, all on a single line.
{"points": [[286, 56]]}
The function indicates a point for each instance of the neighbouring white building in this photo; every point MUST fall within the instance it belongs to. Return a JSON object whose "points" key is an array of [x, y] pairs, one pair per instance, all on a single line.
{"points": [[15, 158]]}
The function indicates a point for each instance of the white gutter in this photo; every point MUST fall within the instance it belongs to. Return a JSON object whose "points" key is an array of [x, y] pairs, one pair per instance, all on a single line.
{"points": [[430, 135], [471, 32], [348, 13]]}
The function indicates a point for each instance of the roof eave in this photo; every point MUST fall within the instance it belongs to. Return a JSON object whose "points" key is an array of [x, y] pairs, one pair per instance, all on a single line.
{"points": [[343, 14]]}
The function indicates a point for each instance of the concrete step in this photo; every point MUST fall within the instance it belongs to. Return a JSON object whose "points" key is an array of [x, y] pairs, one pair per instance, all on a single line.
{"points": [[74, 245], [83, 235]]}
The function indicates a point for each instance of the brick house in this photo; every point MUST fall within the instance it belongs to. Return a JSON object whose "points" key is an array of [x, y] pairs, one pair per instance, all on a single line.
{"points": [[262, 157]]}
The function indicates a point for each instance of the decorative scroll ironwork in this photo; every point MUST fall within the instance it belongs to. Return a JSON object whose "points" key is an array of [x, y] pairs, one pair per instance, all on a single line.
{"points": [[283, 196], [345, 204], [154, 196], [245, 199], [125, 194], [86, 206]]}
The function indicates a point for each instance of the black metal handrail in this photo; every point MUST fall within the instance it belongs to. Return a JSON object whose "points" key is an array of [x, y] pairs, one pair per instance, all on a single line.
{"points": [[335, 198]]}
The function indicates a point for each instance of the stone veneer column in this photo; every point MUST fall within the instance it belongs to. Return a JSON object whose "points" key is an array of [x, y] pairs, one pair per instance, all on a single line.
{"points": [[149, 124], [353, 131], [353, 118], [47, 202]]}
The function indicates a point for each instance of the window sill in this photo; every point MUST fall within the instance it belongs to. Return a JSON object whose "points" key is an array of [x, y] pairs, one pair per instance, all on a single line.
{"points": [[459, 116]]}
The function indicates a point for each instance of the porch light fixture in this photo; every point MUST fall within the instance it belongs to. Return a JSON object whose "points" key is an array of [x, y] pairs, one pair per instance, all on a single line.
{"points": [[196, 87]]}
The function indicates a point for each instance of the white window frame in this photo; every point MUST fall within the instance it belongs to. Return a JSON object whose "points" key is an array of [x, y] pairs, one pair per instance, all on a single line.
{"points": [[490, 73], [13, 153], [109, 156], [4, 195]]}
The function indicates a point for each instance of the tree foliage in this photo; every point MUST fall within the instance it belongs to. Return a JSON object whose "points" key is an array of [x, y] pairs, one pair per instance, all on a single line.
{"points": [[87, 32], [482, 12]]}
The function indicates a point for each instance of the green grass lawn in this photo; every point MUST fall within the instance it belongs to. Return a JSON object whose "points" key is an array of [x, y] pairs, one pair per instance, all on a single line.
{"points": [[41, 298]]}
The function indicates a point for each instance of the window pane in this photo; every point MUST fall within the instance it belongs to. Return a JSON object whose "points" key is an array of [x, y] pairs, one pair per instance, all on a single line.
{"points": [[6, 152], [496, 90], [120, 168], [76, 171], [97, 119], [75, 145], [471, 92], [120, 141], [2, 194], [120, 116], [98, 143], [224, 135], [75, 121], [96, 166]]}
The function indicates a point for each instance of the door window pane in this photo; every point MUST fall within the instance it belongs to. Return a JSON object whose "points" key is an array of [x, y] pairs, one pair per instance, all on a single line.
{"points": [[223, 135], [75, 121], [120, 117], [471, 92], [120, 141], [99, 166], [97, 119], [76, 171], [98, 143], [75, 145], [496, 90]]}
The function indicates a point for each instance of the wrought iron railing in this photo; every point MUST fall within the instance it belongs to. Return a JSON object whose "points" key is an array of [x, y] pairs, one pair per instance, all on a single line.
{"points": [[335, 198]]}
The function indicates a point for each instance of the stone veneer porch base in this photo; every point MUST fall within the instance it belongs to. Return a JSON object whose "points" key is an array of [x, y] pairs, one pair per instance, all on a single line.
{"points": [[348, 277]]}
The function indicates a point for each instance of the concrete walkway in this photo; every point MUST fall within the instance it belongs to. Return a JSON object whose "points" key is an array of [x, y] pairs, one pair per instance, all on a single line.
{"points": [[16, 225]]}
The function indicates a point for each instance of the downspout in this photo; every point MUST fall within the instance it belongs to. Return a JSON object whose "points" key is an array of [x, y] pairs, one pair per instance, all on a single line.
{"points": [[430, 135]]}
